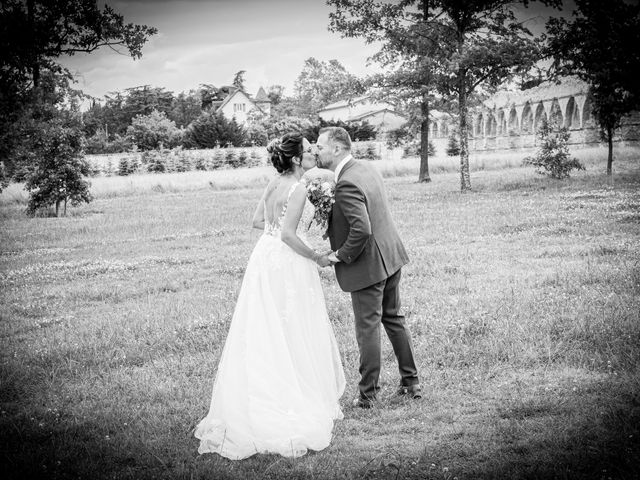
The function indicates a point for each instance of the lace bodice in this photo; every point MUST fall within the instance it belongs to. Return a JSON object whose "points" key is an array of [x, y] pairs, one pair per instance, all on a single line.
{"points": [[275, 229]]}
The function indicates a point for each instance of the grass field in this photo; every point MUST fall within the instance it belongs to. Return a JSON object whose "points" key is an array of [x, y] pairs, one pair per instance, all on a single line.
{"points": [[523, 298]]}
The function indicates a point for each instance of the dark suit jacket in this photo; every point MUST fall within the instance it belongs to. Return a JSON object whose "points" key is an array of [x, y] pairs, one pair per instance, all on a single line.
{"points": [[362, 230]]}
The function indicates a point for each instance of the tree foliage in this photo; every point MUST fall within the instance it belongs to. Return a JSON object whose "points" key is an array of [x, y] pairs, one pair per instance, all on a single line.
{"points": [[453, 146], [35, 111], [58, 169], [153, 131], [321, 83], [601, 46], [238, 79], [115, 116], [35, 34], [275, 94], [185, 108], [453, 47], [553, 156], [211, 130]]}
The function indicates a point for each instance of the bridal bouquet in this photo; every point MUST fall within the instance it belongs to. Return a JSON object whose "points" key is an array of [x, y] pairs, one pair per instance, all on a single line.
{"points": [[321, 194]]}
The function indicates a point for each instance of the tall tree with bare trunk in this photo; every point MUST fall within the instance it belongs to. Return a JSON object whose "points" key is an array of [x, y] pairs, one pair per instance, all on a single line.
{"points": [[458, 46]]}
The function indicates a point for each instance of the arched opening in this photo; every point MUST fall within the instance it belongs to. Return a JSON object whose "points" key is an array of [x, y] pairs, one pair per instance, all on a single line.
{"points": [[587, 114], [527, 119], [500, 130], [555, 115], [493, 126], [513, 122], [572, 115], [540, 117], [433, 129], [479, 124]]}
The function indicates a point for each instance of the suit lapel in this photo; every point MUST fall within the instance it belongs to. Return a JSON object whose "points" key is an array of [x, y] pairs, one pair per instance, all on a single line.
{"points": [[346, 167]]}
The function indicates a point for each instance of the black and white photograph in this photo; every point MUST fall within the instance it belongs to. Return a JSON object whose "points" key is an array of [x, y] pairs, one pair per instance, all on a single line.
{"points": [[320, 239]]}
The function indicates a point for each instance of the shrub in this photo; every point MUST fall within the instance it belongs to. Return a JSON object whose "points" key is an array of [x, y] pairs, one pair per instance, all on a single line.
{"points": [[210, 130], [257, 134], [254, 158], [453, 147], [357, 152], [155, 161], [231, 158], [431, 149], [182, 163], [201, 163], [134, 165], [398, 137], [552, 158], [108, 171], [218, 159], [123, 167], [279, 127], [412, 148], [58, 175], [154, 130], [242, 158], [99, 143], [371, 152]]}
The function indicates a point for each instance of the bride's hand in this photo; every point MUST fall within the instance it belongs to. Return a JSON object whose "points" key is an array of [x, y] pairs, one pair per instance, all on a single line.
{"points": [[322, 259]]}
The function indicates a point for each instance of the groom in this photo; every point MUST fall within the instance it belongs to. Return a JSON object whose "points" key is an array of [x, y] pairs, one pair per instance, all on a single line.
{"points": [[368, 255]]}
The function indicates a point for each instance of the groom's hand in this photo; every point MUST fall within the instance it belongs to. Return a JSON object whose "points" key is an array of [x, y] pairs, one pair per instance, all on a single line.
{"points": [[333, 258], [323, 260]]}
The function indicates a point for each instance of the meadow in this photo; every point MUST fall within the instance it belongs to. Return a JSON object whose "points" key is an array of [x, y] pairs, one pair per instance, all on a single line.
{"points": [[523, 298]]}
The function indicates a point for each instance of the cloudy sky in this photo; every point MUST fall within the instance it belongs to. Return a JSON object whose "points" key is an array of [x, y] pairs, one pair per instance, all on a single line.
{"points": [[208, 41]]}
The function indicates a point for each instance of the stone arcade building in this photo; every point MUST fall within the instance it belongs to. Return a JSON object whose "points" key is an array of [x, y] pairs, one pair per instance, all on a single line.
{"points": [[510, 119]]}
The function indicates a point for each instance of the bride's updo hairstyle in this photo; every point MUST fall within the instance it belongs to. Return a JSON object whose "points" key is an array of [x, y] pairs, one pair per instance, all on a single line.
{"points": [[283, 150]]}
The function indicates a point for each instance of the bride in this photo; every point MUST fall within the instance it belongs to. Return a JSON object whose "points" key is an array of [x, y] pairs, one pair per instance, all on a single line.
{"points": [[280, 377]]}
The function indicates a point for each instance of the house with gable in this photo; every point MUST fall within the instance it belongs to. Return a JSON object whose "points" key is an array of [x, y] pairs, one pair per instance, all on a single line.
{"points": [[238, 103], [379, 114]]}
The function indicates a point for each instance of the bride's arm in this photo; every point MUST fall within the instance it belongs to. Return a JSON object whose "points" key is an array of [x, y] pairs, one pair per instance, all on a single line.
{"points": [[289, 236], [258, 215]]}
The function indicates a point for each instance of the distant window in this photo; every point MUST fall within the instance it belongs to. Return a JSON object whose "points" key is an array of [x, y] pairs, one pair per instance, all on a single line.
{"points": [[239, 107]]}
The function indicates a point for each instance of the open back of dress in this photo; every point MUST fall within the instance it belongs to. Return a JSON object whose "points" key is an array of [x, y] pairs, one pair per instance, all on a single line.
{"points": [[280, 377]]}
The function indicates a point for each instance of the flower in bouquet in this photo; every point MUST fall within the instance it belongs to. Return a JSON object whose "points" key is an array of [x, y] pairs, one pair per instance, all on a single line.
{"points": [[321, 194]]}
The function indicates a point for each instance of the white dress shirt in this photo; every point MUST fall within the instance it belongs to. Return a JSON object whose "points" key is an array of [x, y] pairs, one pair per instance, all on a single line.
{"points": [[341, 166]]}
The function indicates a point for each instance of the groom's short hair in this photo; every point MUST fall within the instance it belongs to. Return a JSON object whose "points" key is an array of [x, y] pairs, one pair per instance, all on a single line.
{"points": [[338, 135]]}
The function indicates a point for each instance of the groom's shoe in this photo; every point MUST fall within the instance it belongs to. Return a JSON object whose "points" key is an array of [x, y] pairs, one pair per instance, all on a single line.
{"points": [[411, 391]]}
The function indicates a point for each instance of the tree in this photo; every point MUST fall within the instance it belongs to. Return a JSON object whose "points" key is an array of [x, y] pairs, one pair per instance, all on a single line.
{"points": [[601, 47], [553, 156], [37, 33], [34, 35], [452, 46], [185, 108], [257, 134], [277, 127], [275, 94], [321, 83], [211, 130], [398, 27], [238, 80], [151, 131], [60, 167], [453, 147], [121, 107]]}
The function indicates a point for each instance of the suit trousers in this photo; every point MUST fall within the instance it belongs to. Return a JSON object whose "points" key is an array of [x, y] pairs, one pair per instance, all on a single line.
{"points": [[380, 303]]}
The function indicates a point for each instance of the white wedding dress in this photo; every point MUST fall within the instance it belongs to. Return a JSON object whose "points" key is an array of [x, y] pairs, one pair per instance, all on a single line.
{"points": [[280, 377]]}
